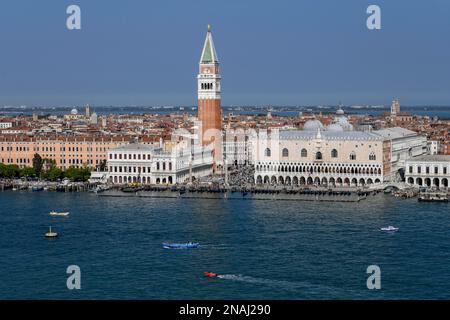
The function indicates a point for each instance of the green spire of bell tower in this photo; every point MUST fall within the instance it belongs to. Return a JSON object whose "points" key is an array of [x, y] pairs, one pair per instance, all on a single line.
{"points": [[209, 54]]}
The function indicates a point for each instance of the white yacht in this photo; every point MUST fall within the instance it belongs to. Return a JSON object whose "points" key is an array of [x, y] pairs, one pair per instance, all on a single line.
{"points": [[62, 214], [390, 228]]}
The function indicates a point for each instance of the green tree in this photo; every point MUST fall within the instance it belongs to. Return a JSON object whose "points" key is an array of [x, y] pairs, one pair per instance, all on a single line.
{"points": [[10, 171], [37, 164], [77, 174], [48, 164], [53, 174], [86, 173], [27, 172], [2, 170], [71, 173]]}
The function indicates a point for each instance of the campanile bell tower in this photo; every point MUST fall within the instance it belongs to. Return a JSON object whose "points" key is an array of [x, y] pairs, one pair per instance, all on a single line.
{"points": [[209, 101]]}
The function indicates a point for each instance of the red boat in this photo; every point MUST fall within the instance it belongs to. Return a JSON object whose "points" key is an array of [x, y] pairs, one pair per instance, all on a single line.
{"points": [[210, 274]]}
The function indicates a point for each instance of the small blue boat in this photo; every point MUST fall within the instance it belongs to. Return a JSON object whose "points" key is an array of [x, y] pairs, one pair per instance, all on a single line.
{"points": [[188, 245]]}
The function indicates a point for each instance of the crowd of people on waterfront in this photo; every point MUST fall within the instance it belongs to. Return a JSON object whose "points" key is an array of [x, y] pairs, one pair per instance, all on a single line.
{"points": [[241, 176]]}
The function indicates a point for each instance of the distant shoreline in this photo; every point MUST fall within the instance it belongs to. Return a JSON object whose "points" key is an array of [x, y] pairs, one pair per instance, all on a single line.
{"points": [[443, 112]]}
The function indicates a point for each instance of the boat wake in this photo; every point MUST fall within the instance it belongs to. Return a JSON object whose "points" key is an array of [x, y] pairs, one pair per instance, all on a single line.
{"points": [[215, 246], [281, 284]]}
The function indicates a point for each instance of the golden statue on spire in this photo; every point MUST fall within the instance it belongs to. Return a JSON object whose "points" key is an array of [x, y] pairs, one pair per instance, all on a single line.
{"points": [[209, 28]]}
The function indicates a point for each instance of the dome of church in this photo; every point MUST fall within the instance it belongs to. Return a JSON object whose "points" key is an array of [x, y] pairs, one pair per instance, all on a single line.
{"points": [[343, 122], [313, 125], [340, 112], [74, 111]]}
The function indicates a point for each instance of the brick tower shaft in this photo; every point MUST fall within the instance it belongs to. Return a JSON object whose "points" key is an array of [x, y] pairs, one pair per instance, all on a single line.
{"points": [[209, 100]]}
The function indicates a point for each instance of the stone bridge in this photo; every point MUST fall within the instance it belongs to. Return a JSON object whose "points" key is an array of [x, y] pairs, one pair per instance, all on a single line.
{"points": [[392, 184]]}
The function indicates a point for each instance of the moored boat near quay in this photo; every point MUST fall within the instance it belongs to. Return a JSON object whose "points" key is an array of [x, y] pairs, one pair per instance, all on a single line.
{"points": [[436, 196], [205, 192], [37, 188], [23, 185]]}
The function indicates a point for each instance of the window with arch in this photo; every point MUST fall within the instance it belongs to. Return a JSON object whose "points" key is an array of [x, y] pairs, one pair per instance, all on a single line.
{"points": [[372, 156], [353, 155], [318, 155], [304, 153], [334, 153], [285, 152], [267, 152]]}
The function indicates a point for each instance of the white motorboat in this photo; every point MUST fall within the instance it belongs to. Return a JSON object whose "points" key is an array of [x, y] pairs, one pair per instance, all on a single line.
{"points": [[61, 214], [390, 228]]}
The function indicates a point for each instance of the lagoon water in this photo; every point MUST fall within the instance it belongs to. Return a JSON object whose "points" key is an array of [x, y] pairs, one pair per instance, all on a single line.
{"points": [[442, 112], [261, 249]]}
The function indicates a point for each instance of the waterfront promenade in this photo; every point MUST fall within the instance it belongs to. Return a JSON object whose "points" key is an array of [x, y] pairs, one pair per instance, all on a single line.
{"points": [[211, 191], [276, 193]]}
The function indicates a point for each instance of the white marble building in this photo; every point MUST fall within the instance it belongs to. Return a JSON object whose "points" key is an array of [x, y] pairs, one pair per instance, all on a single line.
{"points": [[428, 171], [335, 155], [322, 158], [139, 163], [433, 147], [238, 147], [405, 145]]}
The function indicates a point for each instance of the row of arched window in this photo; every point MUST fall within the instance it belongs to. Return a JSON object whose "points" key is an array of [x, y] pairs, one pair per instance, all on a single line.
{"points": [[318, 156], [317, 181], [319, 169], [206, 86], [145, 180]]}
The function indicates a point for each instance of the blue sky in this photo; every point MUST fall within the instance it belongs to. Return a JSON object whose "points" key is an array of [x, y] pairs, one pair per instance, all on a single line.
{"points": [[298, 52]]}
